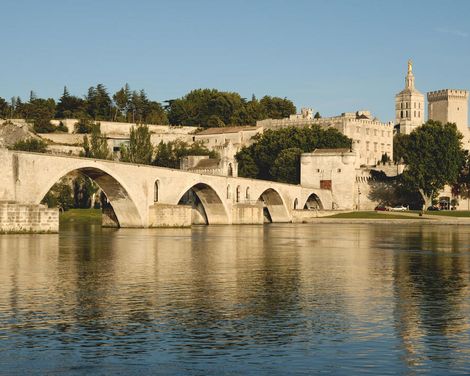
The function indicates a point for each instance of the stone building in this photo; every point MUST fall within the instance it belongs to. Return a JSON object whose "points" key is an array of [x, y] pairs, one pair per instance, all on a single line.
{"points": [[409, 105], [450, 106], [371, 138], [237, 136]]}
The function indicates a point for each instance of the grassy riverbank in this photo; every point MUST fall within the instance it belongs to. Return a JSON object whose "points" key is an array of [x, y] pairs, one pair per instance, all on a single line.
{"points": [[450, 213], [81, 215], [371, 215]]}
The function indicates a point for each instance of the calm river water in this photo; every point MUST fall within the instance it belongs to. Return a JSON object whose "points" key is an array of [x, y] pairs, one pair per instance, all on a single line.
{"points": [[262, 300]]}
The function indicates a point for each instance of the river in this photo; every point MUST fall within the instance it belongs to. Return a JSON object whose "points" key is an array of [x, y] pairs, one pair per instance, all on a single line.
{"points": [[263, 300]]}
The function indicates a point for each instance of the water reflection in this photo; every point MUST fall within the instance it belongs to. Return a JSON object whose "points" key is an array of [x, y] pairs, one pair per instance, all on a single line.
{"points": [[279, 298]]}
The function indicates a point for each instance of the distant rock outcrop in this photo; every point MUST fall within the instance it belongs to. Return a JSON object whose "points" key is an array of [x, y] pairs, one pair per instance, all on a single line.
{"points": [[12, 131]]}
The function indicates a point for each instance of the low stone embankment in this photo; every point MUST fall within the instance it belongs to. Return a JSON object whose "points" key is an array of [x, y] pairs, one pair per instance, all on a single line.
{"points": [[27, 218]]}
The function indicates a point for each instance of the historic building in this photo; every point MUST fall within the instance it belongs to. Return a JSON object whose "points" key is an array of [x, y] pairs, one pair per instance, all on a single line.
{"points": [[409, 105], [371, 138], [450, 106]]}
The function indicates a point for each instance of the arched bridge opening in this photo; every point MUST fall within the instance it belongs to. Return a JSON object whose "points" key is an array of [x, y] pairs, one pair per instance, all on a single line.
{"points": [[274, 209], [119, 210], [313, 202], [207, 206]]}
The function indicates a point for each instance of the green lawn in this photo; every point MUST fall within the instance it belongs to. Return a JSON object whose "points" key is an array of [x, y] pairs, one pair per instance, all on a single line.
{"points": [[449, 213], [370, 215], [81, 215]]}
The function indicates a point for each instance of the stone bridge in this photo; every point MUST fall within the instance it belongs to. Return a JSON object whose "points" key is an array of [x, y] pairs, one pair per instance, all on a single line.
{"points": [[148, 196]]}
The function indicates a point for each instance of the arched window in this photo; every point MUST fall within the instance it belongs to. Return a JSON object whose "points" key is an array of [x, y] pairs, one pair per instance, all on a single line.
{"points": [[229, 195], [238, 194], [230, 170], [401, 114], [296, 203], [247, 193], [155, 190]]}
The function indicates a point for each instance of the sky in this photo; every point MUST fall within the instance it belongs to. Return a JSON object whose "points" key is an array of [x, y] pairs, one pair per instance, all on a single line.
{"points": [[334, 56]]}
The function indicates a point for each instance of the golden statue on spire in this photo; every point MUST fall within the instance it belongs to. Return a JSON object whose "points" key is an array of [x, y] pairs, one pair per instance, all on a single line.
{"points": [[410, 66]]}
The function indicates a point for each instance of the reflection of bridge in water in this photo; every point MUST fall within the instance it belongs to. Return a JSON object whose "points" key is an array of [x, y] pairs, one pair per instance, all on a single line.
{"points": [[148, 196]]}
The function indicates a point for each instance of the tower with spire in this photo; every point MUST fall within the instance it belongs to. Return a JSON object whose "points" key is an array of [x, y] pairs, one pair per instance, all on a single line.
{"points": [[409, 105]]}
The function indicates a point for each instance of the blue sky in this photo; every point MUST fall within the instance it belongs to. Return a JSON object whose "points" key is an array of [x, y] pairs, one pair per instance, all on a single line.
{"points": [[334, 56]]}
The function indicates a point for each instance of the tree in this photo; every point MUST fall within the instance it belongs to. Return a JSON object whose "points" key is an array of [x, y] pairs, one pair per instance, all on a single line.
{"points": [[140, 149], [60, 195], [399, 147], [97, 146], [267, 147], [317, 115], [4, 108], [40, 111], [121, 99], [70, 106], [170, 154], [286, 167], [462, 186], [31, 144], [277, 108], [98, 103], [247, 166], [83, 126], [434, 158]]}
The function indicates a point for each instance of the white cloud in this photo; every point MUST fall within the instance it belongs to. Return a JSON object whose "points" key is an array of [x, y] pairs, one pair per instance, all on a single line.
{"points": [[458, 33]]}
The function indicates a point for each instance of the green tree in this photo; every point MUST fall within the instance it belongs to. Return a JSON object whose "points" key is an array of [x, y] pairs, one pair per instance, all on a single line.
{"points": [[267, 147], [317, 115], [399, 147], [277, 108], [60, 195], [434, 158], [4, 108], [462, 186], [99, 103], [122, 101], [97, 146], [286, 167], [31, 144], [83, 126], [40, 112], [140, 149], [170, 154], [70, 106]]}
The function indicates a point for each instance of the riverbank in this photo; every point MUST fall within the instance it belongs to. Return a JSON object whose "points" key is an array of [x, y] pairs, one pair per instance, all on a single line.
{"points": [[81, 216], [368, 217]]}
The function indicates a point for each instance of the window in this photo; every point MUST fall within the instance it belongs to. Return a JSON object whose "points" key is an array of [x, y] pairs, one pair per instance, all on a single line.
{"points": [[339, 170], [228, 191], [238, 193], [156, 188], [401, 114], [414, 114], [367, 131], [367, 145], [419, 113], [296, 203], [375, 146], [247, 193]]}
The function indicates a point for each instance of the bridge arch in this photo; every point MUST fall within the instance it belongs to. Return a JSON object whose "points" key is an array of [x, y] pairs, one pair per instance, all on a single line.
{"points": [[207, 205], [125, 208], [313, 202], [274, 206]]}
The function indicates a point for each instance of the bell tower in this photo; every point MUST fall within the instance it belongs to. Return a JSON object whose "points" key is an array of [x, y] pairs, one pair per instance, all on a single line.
{"points": [[409, 105]]}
